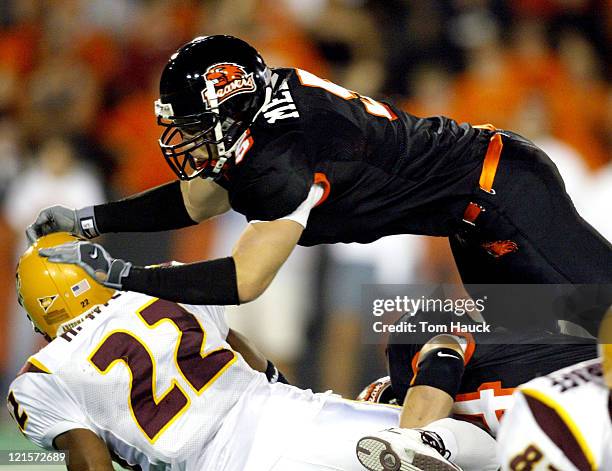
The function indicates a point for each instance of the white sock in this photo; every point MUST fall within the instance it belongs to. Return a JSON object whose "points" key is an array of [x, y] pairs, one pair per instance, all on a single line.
{"points": [[471, 448]]}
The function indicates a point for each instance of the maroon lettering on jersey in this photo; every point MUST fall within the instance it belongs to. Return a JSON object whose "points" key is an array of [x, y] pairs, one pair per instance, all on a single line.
{"points": [[20, 417], [151, 414], [553, 425], [199, 369]]}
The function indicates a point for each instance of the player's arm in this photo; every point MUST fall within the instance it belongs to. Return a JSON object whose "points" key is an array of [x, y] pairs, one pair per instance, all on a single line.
{"points": [[248, 350], [433, 389], [254, 358], [260, 252], [170, 206], [48, 415], [258, 255], [86, 451], [433, 383], [174, 205]]}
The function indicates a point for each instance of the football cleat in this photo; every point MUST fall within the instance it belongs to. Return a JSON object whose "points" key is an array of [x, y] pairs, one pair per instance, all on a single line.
{"points": [[398, 449]]}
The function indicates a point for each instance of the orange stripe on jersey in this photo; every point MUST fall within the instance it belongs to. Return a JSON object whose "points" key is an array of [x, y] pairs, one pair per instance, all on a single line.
{"points": [[415, 366], [489, 168], [487, 175], [496, 386], [463, 399], [322, 180]]}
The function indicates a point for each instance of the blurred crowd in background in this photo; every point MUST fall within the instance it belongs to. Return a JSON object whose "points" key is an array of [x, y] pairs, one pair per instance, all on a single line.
{"points": [[77, 83]]}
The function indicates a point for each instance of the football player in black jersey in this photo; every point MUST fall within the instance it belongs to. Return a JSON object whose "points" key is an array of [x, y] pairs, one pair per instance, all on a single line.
{"points": [[310, 162], [495, 364], [471, 376]]}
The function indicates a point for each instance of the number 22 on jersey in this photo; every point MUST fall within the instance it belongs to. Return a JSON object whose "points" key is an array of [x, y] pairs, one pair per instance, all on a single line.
{"points": [[154, 413], [371, 106]]}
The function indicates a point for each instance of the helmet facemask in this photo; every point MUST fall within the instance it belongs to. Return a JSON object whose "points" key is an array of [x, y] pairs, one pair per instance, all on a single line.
{"points": [[212, 134]]}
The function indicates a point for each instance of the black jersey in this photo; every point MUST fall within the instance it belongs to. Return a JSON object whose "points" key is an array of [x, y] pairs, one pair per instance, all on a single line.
{"points": [[494, 366], [388, 172]]}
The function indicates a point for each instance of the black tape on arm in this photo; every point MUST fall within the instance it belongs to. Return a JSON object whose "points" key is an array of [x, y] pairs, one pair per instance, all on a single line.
{"points": [[274, 375], [443, 371], [211, 282], [158, 209]]}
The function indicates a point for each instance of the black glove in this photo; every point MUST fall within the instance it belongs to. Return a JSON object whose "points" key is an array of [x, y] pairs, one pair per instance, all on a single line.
{"points": [[80, 222], [92, 258]]}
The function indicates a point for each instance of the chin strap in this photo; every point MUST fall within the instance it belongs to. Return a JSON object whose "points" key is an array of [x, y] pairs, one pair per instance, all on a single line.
{"points": [[213, 102], [225, 155]]}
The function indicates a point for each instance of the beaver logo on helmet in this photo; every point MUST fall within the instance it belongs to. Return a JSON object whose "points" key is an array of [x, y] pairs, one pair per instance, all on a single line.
{"points": [[229, 79]]}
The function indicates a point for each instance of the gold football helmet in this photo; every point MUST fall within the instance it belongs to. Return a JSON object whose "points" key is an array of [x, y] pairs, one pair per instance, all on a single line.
{"points": [[605, 346], [54, 294]]}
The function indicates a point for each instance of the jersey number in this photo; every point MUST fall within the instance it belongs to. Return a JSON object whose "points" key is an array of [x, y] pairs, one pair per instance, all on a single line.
{"points": [[153, 413], [529, 458], [20, 417], [371, 106]]}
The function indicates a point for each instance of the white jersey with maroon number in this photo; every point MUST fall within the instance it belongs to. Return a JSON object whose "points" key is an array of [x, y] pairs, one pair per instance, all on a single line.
{"points": [[559, 422], [158, 383]]}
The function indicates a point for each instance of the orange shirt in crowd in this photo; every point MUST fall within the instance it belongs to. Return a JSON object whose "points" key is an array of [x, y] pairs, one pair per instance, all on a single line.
{"points": [[130, 130]]}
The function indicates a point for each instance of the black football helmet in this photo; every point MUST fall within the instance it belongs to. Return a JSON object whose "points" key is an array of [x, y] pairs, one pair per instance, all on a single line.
{"points": [[211, 90]]}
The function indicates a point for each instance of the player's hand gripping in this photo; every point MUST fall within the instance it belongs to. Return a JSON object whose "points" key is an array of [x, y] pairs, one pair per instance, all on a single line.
{"points": [[79, 222], [92, 258]]}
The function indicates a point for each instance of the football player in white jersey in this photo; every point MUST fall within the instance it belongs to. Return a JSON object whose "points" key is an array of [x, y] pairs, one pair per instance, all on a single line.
{"points": [[154, 385], [563, 421]]}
